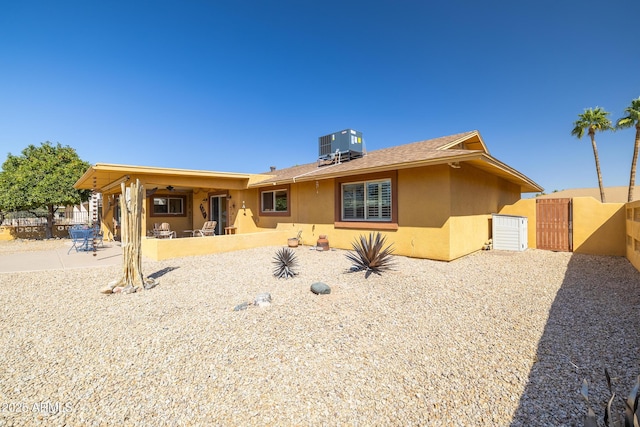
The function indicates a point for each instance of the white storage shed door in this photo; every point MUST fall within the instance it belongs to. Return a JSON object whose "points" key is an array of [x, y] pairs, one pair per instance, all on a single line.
{"points": [[509, 232]]}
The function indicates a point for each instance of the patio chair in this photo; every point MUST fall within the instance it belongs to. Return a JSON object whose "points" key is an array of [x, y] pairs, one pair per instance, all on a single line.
{"points": [[80, 238], [163, 231], [98, 235], [208, 229]]}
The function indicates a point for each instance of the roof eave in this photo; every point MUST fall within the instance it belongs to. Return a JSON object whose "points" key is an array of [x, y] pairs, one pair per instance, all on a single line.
{"points": [[321, 174], [526, 184]]}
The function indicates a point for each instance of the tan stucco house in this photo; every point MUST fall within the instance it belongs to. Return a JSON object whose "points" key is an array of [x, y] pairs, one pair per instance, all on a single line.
{"points": [[432, 199]]}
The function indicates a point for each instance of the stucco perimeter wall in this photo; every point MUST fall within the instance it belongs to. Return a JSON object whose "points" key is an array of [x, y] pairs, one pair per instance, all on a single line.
{"points": [[598, 228], [161, 249], [632, 221], [32, 232]]}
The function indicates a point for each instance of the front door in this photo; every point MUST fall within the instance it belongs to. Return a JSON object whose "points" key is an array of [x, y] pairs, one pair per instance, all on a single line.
{"points": [[218, 212]]}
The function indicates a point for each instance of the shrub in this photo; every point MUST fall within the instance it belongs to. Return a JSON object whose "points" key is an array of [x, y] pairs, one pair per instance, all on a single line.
{"points": [[285, 261], [631, 410], [370, 254]]}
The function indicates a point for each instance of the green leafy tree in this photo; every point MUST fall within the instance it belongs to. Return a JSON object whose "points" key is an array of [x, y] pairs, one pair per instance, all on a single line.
{"points": [[632, 119], [592, 120], [42, 177]]}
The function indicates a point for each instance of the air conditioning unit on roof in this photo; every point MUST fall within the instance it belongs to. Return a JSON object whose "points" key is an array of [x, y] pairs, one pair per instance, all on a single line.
{"points": [[346, 145]]}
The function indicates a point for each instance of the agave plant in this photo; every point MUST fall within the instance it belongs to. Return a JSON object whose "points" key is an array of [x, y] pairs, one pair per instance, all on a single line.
{"points": [[370, 254], [285, 262], [631, 411]]}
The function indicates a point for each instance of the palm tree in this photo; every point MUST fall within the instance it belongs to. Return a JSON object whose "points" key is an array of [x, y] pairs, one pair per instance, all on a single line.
{"points": [[632, 118], [593, 119]]}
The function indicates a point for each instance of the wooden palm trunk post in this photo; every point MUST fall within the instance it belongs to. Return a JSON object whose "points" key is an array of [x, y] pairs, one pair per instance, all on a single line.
{"points": [[131, 239], [131, 236]]}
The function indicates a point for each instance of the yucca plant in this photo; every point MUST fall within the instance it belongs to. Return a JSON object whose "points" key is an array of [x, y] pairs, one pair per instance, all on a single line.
{"points": [[285, 262], [370, 254], [631, 411]]}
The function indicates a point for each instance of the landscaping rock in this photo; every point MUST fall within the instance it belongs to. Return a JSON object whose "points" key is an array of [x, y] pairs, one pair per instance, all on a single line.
{"points": [[320, 288], [240, 307], [263, 300], [107, 290], [150, 283]]}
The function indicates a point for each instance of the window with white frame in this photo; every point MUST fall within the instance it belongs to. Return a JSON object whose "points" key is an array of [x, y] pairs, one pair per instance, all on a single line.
{"points": [[168, 205], [275, 201], [366, 201]]}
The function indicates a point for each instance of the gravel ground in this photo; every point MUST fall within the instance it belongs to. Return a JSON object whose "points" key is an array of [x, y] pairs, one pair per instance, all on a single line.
{"points": [[492, 339]]}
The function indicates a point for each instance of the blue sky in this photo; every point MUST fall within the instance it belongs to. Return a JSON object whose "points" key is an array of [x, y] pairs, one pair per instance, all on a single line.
{"points": [[242, 85]]}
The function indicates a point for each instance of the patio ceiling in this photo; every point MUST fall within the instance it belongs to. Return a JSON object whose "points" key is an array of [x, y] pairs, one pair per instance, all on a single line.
{"points": [[106, 178]]}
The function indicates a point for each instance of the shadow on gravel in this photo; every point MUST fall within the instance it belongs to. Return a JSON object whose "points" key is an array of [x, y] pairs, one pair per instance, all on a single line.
{"points": [[162, 272], [593, 323]]}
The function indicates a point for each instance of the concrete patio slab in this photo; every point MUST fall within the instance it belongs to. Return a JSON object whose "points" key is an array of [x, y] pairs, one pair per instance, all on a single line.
{"points": [[58, 259]]}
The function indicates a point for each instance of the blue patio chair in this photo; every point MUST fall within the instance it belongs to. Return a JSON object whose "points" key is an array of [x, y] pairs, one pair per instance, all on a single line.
{"points": [[80, 238], [98, 235]]}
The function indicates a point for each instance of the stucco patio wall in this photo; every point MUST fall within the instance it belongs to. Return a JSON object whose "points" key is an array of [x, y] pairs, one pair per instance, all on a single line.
{"points": [[161, 249]]}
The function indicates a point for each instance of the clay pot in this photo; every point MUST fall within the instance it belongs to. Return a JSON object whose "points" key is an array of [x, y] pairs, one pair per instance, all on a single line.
{"points": [[323, 242], [292, 242]]}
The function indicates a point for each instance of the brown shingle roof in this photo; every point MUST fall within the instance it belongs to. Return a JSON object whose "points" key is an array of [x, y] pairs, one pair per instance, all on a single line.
{"points": [[467, 146]]}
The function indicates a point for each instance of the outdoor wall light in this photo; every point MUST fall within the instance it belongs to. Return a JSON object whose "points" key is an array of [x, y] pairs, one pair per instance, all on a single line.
{"points": [[228, 196], [204, 200]]}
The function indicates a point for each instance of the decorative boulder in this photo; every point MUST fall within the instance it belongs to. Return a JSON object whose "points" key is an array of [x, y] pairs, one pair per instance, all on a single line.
{"points": [[320, 288]]}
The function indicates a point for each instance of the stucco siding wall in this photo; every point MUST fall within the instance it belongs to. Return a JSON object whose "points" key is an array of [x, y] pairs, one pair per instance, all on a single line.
{"points": [[475, 196], [476, 192], [424, 197], [468, 234], [246, 220], [314, 204], [443, 213]]}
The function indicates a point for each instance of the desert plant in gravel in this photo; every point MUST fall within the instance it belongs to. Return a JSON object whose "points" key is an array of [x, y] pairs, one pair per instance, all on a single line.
{"points": [[286, 262], [631, 416], [370, 254]]}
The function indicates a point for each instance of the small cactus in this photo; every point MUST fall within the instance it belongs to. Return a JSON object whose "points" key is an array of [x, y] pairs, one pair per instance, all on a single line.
{"points": [[285, 261]]}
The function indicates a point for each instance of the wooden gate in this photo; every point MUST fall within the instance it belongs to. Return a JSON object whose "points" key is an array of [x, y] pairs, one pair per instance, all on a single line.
{"points": [[554, 224]]}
